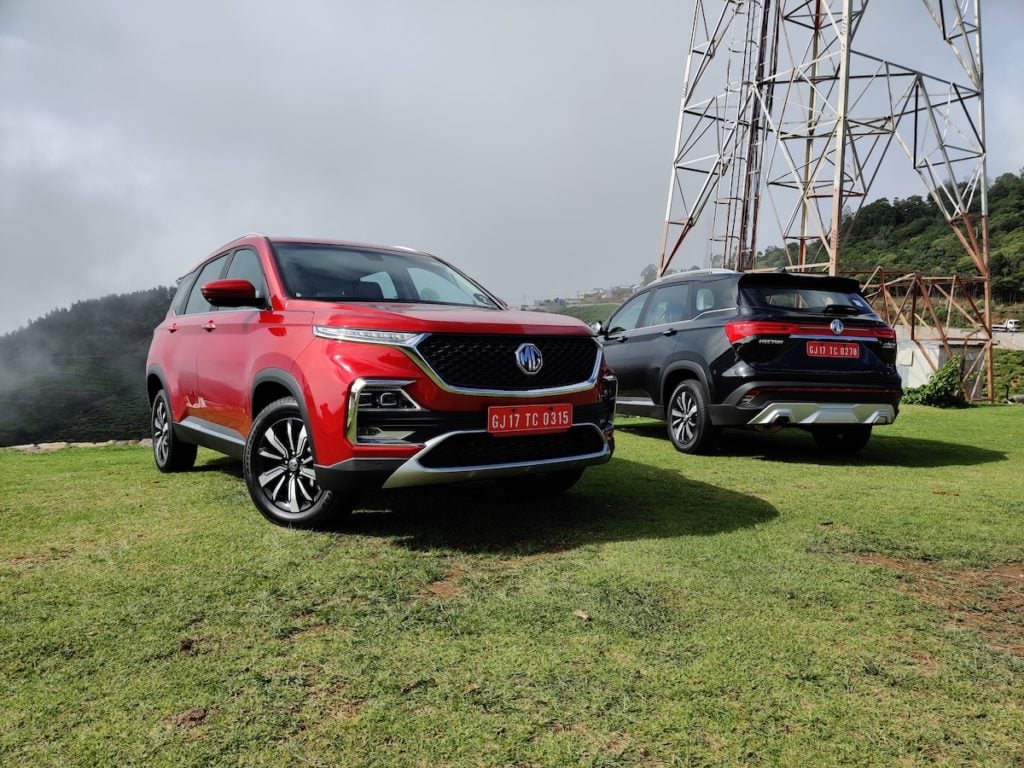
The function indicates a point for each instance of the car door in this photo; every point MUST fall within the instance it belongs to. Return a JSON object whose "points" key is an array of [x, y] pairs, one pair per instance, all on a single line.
{"points": [[224, 353], [617, 340], [188, 330], [653, 344]]}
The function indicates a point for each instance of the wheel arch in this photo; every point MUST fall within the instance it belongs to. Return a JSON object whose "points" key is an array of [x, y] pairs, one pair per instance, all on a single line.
{"points": [[154, 383], [681, 371], [272, 384]]}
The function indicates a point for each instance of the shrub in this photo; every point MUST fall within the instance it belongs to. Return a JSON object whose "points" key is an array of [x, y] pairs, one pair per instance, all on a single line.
{"points": [[943, 390]]}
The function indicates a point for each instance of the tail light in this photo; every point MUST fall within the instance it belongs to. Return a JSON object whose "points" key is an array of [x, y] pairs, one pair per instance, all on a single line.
{"points": [[885, 334], [741, 329]]}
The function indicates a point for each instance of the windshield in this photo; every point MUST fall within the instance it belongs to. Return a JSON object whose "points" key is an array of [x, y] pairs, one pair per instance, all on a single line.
{"points": [[327, 272]]}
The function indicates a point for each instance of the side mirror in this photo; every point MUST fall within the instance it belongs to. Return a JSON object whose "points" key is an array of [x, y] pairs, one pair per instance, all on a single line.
{"points": [[232, 293], [597, 327]]}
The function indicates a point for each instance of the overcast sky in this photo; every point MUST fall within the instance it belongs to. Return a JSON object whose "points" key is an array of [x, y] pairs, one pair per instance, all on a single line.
{"points": [[528, 142]]}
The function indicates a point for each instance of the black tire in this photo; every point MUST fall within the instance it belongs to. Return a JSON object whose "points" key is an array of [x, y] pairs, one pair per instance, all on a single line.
{"points": [[844, 439], [540, 484], [278, 468], [169, 452], [689, 422]]}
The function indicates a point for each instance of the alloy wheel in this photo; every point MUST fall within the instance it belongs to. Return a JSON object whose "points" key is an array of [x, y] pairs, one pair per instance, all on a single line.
{"points": [[161, 432], [284, 468], [683, 417]]}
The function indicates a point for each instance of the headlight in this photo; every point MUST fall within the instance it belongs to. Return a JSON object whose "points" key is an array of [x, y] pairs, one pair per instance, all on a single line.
{"points": [[363, 334]]}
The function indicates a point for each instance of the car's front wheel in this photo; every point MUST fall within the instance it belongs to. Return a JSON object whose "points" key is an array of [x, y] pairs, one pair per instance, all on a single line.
{"points": [[170, 453], [689, 422], [844, 439], [278, 467]]}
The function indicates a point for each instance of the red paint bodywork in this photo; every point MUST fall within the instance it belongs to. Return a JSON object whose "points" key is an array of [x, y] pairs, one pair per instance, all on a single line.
{"points": [[208, 362]]}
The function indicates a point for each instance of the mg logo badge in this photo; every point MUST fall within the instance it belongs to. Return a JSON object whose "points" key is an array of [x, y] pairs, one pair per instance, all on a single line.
{"points": [[837, 327], [529, 359]]}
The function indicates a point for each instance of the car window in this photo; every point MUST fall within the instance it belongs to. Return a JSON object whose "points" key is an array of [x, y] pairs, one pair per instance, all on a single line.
{"points": [[329, 272], [628, 316], [245, 265], [196, 302], [431, 286], [383, 281], [807, 299], [182, 293], [714, 296], [669, 304]]}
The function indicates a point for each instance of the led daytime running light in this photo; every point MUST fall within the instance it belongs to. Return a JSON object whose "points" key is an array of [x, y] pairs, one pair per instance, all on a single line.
{"points": [[366, 335]]}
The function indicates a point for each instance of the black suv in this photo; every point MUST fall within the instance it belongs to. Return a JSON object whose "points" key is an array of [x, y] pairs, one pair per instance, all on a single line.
{"points": [[716, 348]]}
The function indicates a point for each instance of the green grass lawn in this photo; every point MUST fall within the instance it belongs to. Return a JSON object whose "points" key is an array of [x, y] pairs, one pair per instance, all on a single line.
{"points": [[761, 606]]}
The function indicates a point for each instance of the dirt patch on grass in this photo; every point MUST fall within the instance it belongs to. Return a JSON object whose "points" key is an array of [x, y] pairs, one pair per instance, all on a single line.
{"points": [[988, 600], [38, 559], [448, 587], [190, 718]]}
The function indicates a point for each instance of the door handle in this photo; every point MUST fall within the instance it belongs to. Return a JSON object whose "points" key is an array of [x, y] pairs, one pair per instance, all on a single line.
{"points": [[210, 326], [669, 332], [619, 339]]}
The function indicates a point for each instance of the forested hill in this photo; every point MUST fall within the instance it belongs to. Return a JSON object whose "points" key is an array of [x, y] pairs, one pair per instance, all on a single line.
{"points": [[911, 234], [78, 373]]}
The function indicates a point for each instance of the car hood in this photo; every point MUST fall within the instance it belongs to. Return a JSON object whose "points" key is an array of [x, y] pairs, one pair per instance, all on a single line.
{"points": [[439, 318]]}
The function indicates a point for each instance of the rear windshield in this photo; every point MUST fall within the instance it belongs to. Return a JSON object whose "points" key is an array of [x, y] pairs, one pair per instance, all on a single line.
{"points": [[333, 273], [813, 295]]}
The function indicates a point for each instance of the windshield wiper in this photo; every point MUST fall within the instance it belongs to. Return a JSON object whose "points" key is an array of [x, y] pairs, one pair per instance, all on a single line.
{"points": [[841, 309]]}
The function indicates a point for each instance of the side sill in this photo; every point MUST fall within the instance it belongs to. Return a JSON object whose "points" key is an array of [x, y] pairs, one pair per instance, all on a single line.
{"points": [[210, 435], [639, 406]]}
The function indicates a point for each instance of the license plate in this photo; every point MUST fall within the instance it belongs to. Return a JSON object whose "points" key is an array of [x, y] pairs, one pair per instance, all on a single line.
{"points": [[529, 419], [844, 349]]}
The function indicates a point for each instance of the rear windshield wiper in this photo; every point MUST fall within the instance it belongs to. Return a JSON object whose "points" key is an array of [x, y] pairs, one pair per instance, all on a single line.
{"points": [[841, 309]]}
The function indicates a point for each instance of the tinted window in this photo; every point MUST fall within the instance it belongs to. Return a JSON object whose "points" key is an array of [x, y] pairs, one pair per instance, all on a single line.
{"points": [[196, 302], [804, 296], [181, 294], [246, 266], [338, 273], [432, 287], [713, 296], [669, 304], [383, 281], [628, 316]]}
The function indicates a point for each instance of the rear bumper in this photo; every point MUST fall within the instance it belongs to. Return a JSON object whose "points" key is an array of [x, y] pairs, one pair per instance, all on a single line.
{"points": [[776, 404], [791, 414]]}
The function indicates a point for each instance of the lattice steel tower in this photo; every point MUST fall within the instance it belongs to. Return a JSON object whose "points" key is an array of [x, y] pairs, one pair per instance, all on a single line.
{"points": [[801, 128]]}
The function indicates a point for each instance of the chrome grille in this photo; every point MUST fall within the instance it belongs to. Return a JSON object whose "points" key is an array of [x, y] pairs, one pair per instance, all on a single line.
{"points": [[489, 362]]}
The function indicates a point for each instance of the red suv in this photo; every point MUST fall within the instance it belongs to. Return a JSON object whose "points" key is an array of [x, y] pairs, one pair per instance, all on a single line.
{"points": [[329, 368]]}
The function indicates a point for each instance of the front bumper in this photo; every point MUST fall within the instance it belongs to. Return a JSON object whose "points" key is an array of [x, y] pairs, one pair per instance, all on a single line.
{"points": [[473, 455]]}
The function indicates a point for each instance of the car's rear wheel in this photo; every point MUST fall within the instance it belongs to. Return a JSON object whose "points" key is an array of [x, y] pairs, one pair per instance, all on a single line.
{"points": [[842, 439], [278, 467], [689, 421], [169, 452], [540, 484]]}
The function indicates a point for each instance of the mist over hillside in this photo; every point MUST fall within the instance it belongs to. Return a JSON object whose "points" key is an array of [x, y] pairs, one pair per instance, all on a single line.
{"points": [[78, 373]]}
